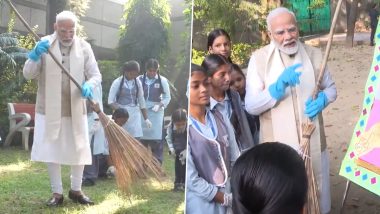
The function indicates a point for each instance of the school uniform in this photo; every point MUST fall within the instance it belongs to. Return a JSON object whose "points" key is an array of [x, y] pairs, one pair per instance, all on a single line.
{"points": [[154, 96], [98, 142], [232, 112], [178, 142], [130, 97], [208, 164]]}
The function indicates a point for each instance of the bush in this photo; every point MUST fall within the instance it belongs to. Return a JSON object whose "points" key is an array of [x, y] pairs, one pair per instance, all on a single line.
{"points": [[13, 86], [110, 71], [241, 53]]}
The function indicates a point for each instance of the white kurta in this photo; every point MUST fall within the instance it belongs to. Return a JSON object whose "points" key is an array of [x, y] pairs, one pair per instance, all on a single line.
{"points": [[68, 146], [63, 150]]}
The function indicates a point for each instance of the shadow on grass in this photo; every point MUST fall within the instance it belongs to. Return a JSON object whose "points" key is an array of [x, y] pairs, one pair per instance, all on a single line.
{"points": [[25, 187]]}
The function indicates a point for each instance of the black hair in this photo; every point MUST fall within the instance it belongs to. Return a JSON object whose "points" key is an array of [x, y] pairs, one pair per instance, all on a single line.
{"points": [[197, 68], [212, 63], [127, 67], [269, 178], [215, 34], [179, 115], [235, 67], [120, 113], [152, 63]]}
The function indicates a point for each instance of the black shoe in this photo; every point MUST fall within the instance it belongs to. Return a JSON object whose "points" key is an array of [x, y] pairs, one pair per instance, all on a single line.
{"points": [[55, 201], [82, 199], [177, 188], [88, 182]]}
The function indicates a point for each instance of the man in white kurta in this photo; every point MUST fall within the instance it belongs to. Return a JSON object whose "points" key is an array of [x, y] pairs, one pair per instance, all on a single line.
{"points": [[61, 130], [280, 79]]}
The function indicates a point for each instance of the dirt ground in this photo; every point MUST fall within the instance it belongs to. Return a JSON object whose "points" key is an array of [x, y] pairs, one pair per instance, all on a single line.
{"points": [[349, 68]]}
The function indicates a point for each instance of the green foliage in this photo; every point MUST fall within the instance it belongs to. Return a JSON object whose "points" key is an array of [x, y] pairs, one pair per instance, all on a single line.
{"points": [[241, 53], [197, 56], [221, 13], [316, 4], [13, 86], [145, 33], [79, 8], [233, 16], [110, 71]]}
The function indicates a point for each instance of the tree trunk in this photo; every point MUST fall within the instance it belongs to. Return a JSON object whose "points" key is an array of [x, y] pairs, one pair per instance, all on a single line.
{"points": [[53, 8], [352, 9]]}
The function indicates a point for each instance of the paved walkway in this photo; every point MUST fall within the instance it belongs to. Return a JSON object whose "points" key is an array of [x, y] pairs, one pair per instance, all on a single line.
{"points": [[359, 38]]}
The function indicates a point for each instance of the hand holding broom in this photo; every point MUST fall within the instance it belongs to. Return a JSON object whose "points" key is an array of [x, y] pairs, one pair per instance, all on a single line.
{"points": [[312, 206], [131, 159]]}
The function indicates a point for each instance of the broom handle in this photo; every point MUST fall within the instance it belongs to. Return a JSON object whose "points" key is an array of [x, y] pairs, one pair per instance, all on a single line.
{"points": [[51, 53], [327, 52]]}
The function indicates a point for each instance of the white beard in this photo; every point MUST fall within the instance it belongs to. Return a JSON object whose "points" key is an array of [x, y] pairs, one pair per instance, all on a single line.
{"points": [[286, 50], [66, 44]]}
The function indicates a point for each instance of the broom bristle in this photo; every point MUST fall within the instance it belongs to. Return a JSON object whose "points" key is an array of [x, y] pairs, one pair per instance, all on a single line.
{"points": [[312, 206], [131, 159]]}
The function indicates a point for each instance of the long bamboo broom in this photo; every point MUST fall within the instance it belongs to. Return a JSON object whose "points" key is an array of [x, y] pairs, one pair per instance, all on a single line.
{"points": [[131, 159], [308, 128]]}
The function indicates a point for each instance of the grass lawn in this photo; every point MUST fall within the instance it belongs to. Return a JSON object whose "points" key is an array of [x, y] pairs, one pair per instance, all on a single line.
{"points": [[25, 187]]}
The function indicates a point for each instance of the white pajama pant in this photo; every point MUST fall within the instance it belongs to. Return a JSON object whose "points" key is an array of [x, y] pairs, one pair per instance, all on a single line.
{"points": [[325, 188], [54, 171]]}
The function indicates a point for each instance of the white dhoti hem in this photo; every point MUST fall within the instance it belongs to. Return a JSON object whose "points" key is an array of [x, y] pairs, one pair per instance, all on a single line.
{"points": [[64, 150]]}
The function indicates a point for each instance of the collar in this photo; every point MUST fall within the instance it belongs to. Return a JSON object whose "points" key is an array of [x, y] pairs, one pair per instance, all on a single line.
{"points": [[155, 77], [214, 102]]}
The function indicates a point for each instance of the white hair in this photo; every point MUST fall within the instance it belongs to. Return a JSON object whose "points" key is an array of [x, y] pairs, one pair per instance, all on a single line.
{"points": [[66, 15], [275, 12]]}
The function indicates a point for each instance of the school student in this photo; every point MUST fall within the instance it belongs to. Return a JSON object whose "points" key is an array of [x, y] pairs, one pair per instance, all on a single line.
{"points": [[157, 97], [208, 152], [219, 42], [237, 83], [227, 102], [126, 92], [176, 138], [98, 143], [270, 178]]}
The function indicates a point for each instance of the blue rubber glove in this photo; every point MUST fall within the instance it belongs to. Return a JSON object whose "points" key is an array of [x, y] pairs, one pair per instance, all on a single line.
{"points": [[314, 107], [40, 48], [289, 77], [86, 90]]}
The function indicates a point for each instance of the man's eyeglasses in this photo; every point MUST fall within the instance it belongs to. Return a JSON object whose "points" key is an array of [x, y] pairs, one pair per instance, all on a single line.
{"points": [[290, 30]]}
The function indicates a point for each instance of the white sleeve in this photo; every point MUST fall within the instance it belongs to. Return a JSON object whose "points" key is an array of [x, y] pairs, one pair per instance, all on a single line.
{"points": [[31, 69], [140, 95], [166, 97], [91, 69], [328, 86], [113, 91], [257, 96], [168, 136]]}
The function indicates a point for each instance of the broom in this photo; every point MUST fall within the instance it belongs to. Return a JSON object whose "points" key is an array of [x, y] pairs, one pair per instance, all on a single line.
{"points": [[312, 204], [131, 159]]}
